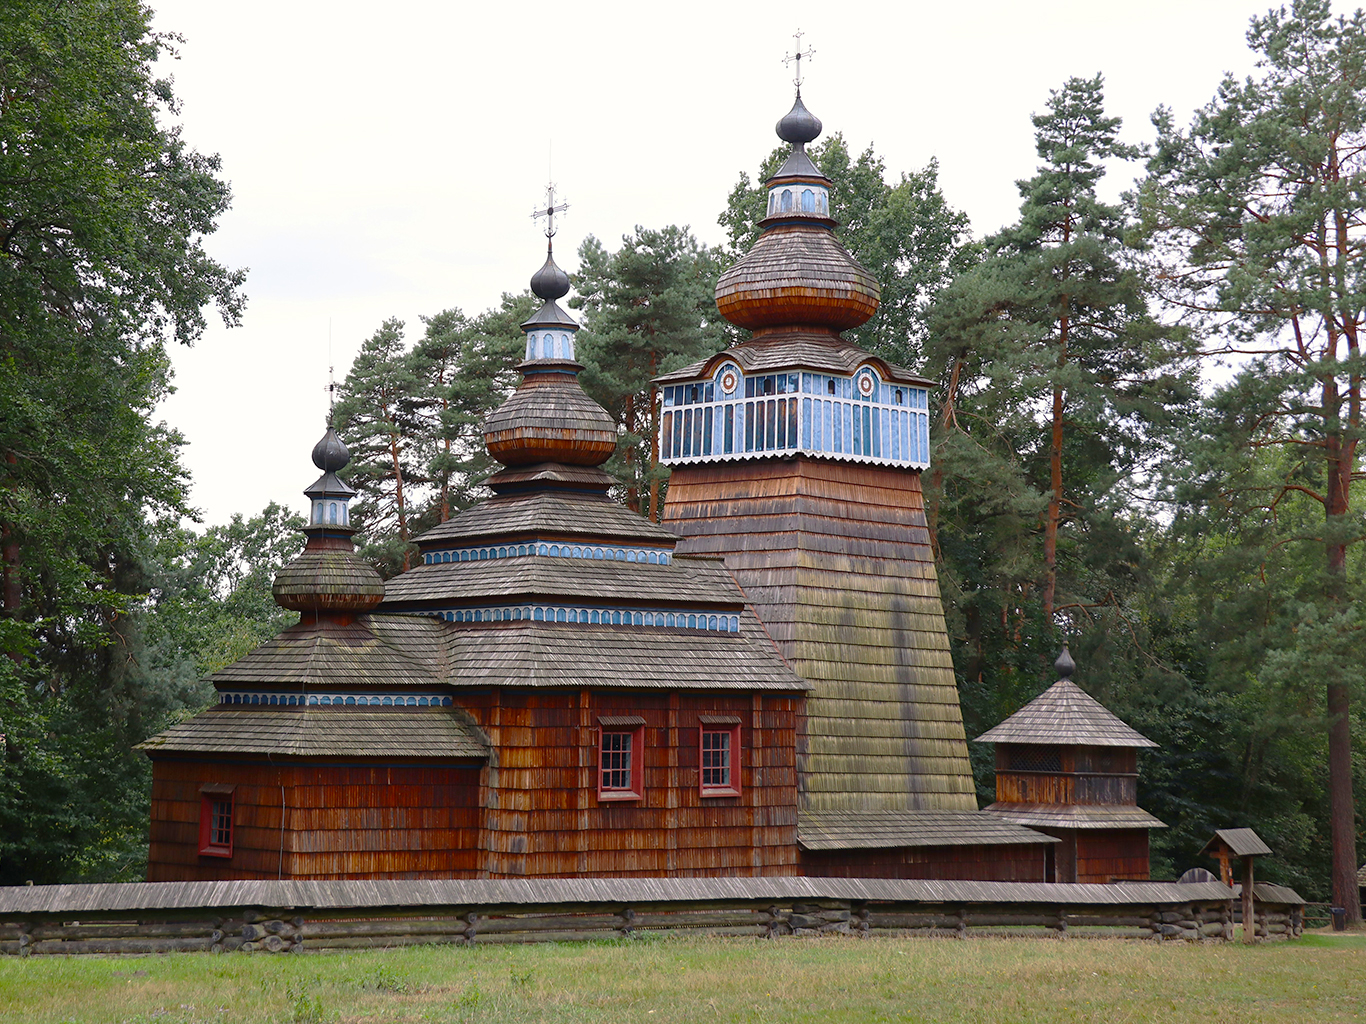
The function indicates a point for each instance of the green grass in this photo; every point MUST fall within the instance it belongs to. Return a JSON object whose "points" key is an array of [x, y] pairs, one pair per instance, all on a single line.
{"points": [[1316, 979]]}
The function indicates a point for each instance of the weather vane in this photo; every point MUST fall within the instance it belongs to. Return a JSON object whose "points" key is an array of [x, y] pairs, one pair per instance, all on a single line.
{"points": [[550, 210], [797, 56]]}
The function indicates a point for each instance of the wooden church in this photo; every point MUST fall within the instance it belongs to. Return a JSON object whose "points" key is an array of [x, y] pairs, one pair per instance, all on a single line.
{"points": [[759, 686]]}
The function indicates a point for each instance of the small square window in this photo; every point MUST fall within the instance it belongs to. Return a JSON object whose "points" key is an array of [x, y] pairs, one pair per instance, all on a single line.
{"points": [[719, 757], [215, 821], [621, 758]]}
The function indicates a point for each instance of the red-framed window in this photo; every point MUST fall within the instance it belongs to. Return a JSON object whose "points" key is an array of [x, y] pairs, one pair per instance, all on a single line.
{"points": [[719, 755], [215, 820], [621, 757]]}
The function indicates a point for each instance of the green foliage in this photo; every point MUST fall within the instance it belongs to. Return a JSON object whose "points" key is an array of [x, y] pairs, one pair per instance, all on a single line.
{"points": [[905, 234], [1256, 215], [103, 210], [1059, 392], [647, 308], [463, 369]]}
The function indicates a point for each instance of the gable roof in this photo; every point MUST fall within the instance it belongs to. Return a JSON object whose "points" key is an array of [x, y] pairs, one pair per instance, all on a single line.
{"points": [[1242, 842], [1065, 713]]}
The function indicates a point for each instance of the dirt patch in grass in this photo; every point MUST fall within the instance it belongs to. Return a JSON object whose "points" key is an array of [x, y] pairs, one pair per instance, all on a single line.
{"points": [[1320, 979]]}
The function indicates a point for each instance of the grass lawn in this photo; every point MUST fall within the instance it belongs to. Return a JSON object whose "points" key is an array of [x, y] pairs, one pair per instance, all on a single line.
{"points": [[1315, 979]]}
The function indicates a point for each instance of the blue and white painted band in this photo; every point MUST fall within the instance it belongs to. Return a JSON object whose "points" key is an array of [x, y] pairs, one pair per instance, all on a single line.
{"points": [[724, 622], [336, 699], [597, 552]]}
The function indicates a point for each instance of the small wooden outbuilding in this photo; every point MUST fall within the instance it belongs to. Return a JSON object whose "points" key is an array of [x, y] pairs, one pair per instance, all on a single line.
{"points": [[1068, 767]]}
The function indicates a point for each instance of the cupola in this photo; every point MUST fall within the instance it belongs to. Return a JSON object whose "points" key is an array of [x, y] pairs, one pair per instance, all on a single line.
{"points": [[798, 274], [549, 418], [329, 579]]}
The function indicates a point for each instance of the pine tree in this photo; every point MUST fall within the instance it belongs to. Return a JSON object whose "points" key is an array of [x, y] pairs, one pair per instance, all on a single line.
{"points": [[1257, 216], [1056, 372], [376, 417], [463, 370], [648, 308]]}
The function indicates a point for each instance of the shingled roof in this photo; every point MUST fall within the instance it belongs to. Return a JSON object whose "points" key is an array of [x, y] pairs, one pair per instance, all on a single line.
{"points": [[1242, 842], [387, 650], [682, 581], [851, 830], [548, 513], [1067, 714], [426, 733], [549, 654], [1076, 815], [798, 348]]}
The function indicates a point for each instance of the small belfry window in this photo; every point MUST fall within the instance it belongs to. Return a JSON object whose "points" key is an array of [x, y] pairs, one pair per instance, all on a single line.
{"points": [[719, 755], [621, 757], [215, 820]]}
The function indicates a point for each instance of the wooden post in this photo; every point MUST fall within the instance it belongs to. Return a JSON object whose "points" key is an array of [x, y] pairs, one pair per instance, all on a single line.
{"points": [[1249, 919]]}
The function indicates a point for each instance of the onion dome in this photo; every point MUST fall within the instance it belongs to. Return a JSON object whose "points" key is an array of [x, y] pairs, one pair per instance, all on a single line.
{"points": [[328, 577], [798, 273], [799, 126], [549, 419]]}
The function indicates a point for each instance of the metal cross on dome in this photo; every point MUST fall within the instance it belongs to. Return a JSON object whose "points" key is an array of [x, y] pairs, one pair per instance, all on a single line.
{"points": [[797, 56], [550, 210]]}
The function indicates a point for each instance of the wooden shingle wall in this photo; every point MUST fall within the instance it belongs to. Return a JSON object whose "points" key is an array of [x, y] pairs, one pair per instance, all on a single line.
{"points": [[544, 817], [1112, 855], [1003, 863], [836, 560], [340, 820]]}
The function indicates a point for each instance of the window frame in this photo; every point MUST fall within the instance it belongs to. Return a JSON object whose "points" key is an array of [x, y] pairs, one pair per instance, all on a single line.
{"points": [[622, 725], [719, 725], [212, 795]]}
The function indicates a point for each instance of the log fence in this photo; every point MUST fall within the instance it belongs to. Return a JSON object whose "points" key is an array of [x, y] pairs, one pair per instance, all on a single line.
{"points": [[790, 907]]}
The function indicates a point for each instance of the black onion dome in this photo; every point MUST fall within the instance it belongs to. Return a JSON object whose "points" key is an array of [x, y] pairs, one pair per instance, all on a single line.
{"points": [[550, 282], [330, 454], [1065, 666], [799, 126]]}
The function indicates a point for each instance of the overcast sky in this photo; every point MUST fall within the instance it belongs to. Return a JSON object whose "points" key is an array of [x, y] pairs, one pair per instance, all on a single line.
{"points": [[385, 159]]}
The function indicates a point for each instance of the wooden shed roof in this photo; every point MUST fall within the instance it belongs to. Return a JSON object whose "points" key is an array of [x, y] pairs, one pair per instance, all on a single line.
{"points": [[411, 893], [851, 830], [682, 581], [1242, 842], [387, 650], [1067, 714], [1076, 815], [440, 733], [552, 514]]}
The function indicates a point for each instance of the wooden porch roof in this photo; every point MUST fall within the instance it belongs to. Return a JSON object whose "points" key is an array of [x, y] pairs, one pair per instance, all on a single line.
{"points": [[850, 830]]}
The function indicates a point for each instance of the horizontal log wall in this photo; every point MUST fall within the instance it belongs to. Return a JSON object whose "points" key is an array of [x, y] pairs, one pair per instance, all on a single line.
{"points": [[280, 930], [544, 817]]}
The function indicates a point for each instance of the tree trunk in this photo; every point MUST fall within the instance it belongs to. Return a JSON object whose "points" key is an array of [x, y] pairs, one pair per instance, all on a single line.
{"points": [[1341, 807], [1050, 535], [11, 586], [654, 448]]}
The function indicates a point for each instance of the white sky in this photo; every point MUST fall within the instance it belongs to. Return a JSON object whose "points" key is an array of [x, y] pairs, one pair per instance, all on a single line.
{"points": [[385, 158]]}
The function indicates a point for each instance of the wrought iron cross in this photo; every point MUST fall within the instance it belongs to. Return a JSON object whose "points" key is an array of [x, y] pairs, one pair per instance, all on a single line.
{"points": [[550, 210], [797, 56]]}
